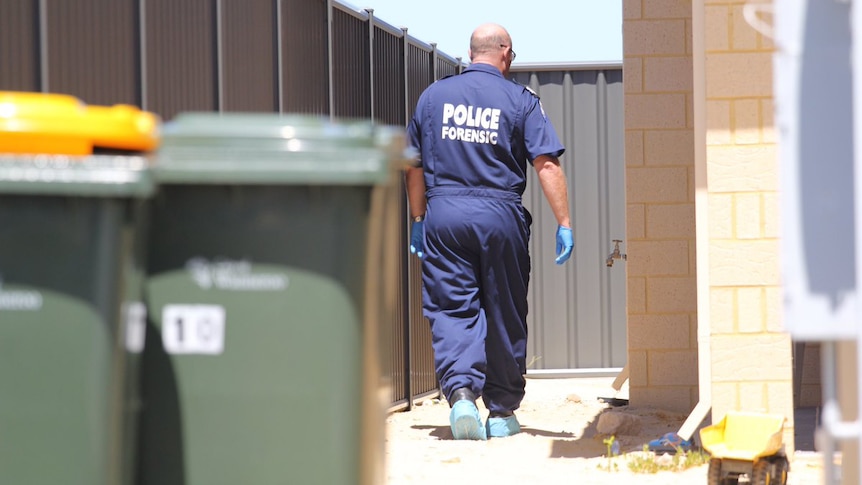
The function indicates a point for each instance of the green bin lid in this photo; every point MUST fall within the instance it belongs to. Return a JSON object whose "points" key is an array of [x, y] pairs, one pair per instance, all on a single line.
{"points": [[247, 148], [92, 176]]}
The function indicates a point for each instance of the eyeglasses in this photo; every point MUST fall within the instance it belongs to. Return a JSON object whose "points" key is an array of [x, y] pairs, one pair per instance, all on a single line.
{"points": [[511, 52]]}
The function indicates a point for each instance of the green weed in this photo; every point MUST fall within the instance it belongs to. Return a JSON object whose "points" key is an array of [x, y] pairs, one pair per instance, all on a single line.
{"points": [[649, 462], [613, 450]]}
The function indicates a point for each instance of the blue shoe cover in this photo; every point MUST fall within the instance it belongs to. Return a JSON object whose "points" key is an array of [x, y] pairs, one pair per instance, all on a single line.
{"points": [[670, 443], [465, 421], [503, 426]]}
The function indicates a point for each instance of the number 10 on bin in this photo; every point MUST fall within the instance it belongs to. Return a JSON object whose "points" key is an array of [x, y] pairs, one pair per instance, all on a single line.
{"points": [[193, 329]]}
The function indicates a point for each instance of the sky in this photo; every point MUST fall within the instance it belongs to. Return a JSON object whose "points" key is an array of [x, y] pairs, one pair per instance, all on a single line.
{"points": [[543, 31]]}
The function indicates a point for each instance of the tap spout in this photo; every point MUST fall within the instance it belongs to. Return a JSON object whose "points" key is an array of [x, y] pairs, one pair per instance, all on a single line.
{"points": [[615, 254]]}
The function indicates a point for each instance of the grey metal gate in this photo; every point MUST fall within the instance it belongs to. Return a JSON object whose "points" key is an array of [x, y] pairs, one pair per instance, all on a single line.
{"points": [[577, 316]]}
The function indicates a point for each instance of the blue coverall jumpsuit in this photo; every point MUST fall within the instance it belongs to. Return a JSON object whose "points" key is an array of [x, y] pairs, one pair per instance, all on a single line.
{"points": [[475, 133]]}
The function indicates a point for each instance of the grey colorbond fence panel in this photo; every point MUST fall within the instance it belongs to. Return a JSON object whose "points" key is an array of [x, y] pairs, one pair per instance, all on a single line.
{"points": [[19, 45], [577, 312], [249, 56], [614, 299]]}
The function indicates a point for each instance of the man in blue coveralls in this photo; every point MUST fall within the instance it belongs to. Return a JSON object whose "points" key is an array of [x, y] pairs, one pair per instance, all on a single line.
{"points": [[475, 133]]}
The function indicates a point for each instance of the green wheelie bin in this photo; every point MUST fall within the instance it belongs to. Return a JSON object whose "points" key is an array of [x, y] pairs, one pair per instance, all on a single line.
{"points": [[71, 316], [271, 262]]}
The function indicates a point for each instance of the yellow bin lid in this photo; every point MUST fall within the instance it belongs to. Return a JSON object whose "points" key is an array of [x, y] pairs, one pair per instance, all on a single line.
{"points": [[41, 123]]}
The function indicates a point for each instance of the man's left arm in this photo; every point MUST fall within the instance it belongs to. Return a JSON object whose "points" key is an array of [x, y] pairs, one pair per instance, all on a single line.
{"points": [[553, 182]]}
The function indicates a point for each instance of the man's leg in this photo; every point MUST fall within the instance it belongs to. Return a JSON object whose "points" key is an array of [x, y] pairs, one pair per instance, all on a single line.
{"points": [[452, 306], [506, 271]]}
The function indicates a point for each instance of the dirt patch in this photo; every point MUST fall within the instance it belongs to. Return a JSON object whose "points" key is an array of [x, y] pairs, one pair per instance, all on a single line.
{"points": [[559, 443]]}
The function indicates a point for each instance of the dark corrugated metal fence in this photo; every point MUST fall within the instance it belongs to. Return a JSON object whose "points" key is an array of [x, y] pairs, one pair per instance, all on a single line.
{"points": [[303, 56], [323, 57], [249, 47], [300, 56]]}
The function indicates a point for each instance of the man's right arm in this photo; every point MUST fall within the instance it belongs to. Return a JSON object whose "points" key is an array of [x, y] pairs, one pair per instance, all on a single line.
{"points": [[415, 180]]}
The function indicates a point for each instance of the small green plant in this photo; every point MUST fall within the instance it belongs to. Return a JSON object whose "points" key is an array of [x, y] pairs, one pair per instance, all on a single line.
{"points": [[644, 462], [613, 450], [649, 462]]}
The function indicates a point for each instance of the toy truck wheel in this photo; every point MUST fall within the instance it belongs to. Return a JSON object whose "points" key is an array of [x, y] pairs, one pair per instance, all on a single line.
{"points": [[760, 474], [782, 467], [714, 474]]}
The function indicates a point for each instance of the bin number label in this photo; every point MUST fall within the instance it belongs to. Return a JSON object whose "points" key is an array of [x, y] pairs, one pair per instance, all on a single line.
{"points": [[193, 329]]}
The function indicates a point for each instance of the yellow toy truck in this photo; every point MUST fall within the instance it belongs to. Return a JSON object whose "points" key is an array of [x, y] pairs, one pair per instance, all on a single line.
{"points": [[745, 443]]}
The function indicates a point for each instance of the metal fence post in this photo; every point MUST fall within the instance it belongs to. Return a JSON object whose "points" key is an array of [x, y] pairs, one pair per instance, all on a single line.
{"points": [[330, 58], [371, 59], [408, 337], [404, 63], [279, 60], [219, 41], [142, 54], [43, 45], [433, 61]]}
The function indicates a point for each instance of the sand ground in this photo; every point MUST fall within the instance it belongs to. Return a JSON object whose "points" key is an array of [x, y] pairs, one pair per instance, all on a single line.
{"points": [[559, 443]]}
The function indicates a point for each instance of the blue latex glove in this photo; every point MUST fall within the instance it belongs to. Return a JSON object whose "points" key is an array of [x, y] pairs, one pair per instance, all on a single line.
{"points": [[417, 239], [565, 243]]}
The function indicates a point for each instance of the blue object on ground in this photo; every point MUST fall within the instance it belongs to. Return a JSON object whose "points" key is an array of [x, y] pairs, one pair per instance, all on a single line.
{"points": [[670, 443]]}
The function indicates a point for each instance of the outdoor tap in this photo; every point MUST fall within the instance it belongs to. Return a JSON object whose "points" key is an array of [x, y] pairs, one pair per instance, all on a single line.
{"points": [[615, 254]]}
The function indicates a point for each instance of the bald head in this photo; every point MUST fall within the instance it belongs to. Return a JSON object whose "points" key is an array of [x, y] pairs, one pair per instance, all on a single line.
{"points": [[491, 44], [488, 38]]}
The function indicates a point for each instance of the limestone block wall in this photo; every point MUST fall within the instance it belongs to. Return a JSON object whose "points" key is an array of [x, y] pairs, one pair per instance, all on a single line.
{"points": [[661, 301], [751, 354]]}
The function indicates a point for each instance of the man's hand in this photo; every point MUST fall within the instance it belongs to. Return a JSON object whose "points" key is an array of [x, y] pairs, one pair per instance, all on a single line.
{"points": [[565, 243], [417, 239]]}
